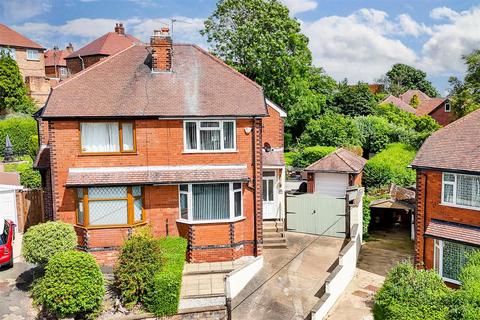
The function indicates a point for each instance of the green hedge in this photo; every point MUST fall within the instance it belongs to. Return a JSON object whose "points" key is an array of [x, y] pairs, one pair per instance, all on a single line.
{"points": [[44, 240], [29, 178], [309, 155], [389, 166], [19, 129], [164, 293], [72, 286]]}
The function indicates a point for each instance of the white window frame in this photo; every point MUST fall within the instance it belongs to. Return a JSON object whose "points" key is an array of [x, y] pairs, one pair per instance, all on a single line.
{"points": [[454, 183], [438, 258], [10, 51], [198, 129], [63, 71], [190, 204], [33, 52], [447, 104]]}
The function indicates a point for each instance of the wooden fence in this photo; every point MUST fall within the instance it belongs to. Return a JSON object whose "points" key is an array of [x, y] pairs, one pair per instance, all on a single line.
{"points": [[30, 208]]}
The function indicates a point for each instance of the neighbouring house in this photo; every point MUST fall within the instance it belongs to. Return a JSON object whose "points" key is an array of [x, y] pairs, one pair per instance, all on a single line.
{"points": [[30, 60], [165, 135], [55, 63], [105, 46], [9, 185], [437, 108], [334, 173], [448, 197]]}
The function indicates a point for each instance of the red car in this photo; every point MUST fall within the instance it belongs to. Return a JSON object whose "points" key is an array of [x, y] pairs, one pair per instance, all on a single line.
{"points": [[6, 244]]}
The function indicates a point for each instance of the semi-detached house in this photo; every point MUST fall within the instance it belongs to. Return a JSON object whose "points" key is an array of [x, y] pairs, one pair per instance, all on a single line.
{"points": [[164, 135]]}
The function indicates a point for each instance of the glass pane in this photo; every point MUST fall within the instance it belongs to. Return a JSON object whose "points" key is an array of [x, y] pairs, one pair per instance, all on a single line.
{"points": [[191, 135], [210, 139], [436, 262], [449, 177], [184, 206], [107, 192], [238, 203], [270, 190], [454, 258], [211, 201], [265, 190], [237, 186], [80, 213], [137, 210], [468, 190], [99, 137], [136, 191], [228, 135], [448, 193], [80, 193], [184, 187], [209, 124], [108, 212], [127, 136]]}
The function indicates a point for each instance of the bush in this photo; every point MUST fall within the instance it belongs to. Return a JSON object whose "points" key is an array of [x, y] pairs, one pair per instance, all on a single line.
{"points": [[44, 240], [288, 156], [376, 133], [412, 294], [309, 155], [164, 294], [390, 166], [140, 259], [33, 147], [19, 130], [73, 285]]}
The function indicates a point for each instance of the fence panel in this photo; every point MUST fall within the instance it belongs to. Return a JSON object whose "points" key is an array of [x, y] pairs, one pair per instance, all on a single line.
{"points": [[30, 208]]}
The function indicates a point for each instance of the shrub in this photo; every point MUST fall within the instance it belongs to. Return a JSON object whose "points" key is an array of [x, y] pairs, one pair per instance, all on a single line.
{"points": [[289, 157], [73, 285], [309, 155], [389, 166], [376, 132], [140, 259], [33, 147], [44, 240], [19, 130], [412, 294], [164, 294]]}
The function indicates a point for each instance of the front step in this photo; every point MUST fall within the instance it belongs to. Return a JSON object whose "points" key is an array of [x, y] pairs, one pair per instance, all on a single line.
{"points": [[273, 234], [276, 240]]}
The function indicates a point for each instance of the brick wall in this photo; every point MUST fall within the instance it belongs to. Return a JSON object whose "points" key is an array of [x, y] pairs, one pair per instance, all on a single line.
{"points": [[441, 116], [273, 128], [35, 68], [74, 65]]}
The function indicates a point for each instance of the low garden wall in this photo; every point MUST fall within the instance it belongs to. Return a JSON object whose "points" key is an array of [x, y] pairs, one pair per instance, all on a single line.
{"points": [[236, 280]]}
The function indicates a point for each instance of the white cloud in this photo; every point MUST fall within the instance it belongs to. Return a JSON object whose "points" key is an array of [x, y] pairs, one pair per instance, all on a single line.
{"points": [[19, 10], [298, 6], [443, 13]]}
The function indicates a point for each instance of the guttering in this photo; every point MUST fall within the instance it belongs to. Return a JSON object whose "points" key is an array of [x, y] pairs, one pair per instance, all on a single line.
{"points": [[174, 117], [445, 170]]}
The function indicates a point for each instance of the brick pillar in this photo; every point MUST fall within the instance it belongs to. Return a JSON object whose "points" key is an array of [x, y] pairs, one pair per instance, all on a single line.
{"points": [[258, 186], [420, 218]]}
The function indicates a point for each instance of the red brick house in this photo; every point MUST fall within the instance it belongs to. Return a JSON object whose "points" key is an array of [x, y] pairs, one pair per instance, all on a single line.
{"points": [[55, 63], [447, 218], [105, 46], [167, 136]]}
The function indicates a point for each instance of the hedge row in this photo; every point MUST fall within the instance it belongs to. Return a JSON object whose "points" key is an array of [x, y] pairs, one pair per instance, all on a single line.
{"points": [[19, 130]]}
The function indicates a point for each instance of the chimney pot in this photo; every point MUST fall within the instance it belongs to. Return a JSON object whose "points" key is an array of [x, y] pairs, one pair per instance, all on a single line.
{"points": [[119, 29], [69, 48]]}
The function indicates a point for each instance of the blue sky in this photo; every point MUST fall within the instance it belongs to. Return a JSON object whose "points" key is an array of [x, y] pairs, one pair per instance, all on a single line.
{"points": [[355, 39]]}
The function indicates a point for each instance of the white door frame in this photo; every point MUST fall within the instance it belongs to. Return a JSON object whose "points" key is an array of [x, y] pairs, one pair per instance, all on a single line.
{"points": [[270, 207]]}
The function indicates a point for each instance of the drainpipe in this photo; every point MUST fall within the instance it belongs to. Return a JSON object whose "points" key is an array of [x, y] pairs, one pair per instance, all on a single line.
{"points": [[83, 64], [424, 217], [255, 233]]}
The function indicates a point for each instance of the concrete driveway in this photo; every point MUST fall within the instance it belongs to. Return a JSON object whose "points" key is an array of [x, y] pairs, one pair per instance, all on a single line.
{"points": [[287, 285]]}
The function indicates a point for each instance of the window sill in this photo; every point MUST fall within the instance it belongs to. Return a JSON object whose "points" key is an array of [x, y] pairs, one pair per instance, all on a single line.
{"points": [[459, 206], [208, 151], [210, 221], [88, 154], [445, 279], [37, 60], [112, 226]]}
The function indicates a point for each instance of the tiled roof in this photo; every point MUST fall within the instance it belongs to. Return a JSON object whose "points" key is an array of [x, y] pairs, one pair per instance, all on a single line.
{"points": [[399, 103], [153, 175], [42, 160], [56, 58], [9, 37], [273, 158], [108, 44], [454, 147], [407, 96], [427, 106], [454, 231], [123, 85], [341, 160]]}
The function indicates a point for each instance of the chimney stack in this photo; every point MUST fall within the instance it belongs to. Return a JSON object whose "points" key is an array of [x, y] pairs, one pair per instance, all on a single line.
{"points": [[161, 44], [119, 28], [69, 48]]}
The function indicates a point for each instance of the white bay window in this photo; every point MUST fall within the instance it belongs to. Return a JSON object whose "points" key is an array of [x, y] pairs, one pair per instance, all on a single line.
{"points": [[450, 258], [211, 201], [107, 137], [209, 135], [461, 190]]}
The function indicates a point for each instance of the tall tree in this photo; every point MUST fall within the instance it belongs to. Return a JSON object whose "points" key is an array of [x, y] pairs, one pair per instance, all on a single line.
{"points": [[465, 96], [353, 100], [403, 77], [13, 93]]}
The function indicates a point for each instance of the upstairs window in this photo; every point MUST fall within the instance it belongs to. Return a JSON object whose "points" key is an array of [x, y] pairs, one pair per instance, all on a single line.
{"points": [[63, 71], [32, 55], [210, 135], [8, 51], [461, 190], [107, 137], [448, 108]]}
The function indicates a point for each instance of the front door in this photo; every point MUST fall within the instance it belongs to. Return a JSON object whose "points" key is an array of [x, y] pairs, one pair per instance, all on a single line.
{"points": [[270, 194]]}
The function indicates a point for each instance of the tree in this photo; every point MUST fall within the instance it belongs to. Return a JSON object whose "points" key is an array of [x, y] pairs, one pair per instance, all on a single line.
{"points": [[415, 101], [353, 100], [465, 96], [403, 77], [13, 93]]}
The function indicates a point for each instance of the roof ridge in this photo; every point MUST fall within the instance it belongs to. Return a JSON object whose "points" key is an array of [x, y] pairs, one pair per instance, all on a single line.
{"points": [[344, 160]]}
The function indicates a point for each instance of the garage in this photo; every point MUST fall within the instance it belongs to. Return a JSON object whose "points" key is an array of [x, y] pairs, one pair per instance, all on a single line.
{"points": [[331, 184], [9, 184]]}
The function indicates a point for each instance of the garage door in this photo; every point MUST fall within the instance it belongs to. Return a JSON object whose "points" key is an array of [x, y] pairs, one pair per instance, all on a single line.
{"points": [[8, 206], [331, 184]]}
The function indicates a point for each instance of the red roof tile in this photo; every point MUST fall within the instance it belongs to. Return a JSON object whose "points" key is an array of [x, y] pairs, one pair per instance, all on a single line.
{"points": [[108, 44], [155, 175], [341, 160], [11, 38], [273, 158], [454, 147], [10, 178], [427, 106], [123, 85], [402, 105], [453, 231]]}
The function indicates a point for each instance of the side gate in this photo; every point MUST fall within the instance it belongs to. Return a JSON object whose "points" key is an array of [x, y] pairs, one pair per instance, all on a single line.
{"points": [[316, 214]]}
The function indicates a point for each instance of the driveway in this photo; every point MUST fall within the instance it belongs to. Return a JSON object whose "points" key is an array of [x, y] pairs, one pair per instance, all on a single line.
{"points": [[382, 251], [15, 303], [290, 279]]}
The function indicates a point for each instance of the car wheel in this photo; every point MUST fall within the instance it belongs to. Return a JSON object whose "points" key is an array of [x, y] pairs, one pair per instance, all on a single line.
{"points": [[10, 263]]}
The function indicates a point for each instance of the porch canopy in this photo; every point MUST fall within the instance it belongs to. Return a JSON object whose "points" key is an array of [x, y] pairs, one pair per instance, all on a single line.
{"points": [[453, 231], [155, 175]]}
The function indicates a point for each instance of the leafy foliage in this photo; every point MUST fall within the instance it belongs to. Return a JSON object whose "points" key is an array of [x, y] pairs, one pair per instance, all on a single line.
{"points": [[13, 93], [353, 100], [73, 285], [163, 294], [390, 165], [29, 178], [403, 77], [411, 294], [140, 259], [415, 101], [43, 241], [376, 132], [33, 147], [465, 96], [309, 155], [19, 130]]}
